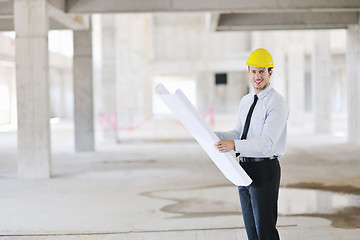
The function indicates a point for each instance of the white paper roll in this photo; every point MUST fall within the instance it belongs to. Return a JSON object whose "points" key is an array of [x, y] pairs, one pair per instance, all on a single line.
{"points": [[180, 105]]}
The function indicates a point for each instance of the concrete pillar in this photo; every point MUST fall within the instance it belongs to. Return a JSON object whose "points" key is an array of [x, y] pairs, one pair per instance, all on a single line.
{"points": [[32, 77], [56, 102], [237, 87], [225, 97], [353, 83], [149, 47], [220, 97], [108, 73], [126, 78], [13, 96], [278, 80], [5, 94], [68, 94], [205, 89], [83, 91], [296, 83], [321, 81], [131, 69]]}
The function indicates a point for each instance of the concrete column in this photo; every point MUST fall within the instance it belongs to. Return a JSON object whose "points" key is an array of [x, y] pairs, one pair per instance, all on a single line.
{"points": [[13, 96], [149, 47], [83, 91], [237, 87], [321, 81], [32, 77], [68, 94], [108, 73], [296, 83], [125, 74], [131, 69], [5, 94], [220, 97], [205, 89], [278, 80], [353, 83], [56, 102]]}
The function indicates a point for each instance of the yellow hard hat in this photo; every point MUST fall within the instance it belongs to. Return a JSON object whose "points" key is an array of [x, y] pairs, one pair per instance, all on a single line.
{"points": [[260, 58]]}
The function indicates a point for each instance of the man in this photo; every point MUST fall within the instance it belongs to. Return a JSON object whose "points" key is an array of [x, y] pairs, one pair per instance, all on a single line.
{"points": [[259, 138]]}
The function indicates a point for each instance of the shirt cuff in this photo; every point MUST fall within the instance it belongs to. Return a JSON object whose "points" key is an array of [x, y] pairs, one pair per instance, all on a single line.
{"points": [[237, 146]]}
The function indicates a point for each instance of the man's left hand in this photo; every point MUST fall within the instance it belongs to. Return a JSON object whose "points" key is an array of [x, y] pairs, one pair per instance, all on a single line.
{"points": [[225, 145]]}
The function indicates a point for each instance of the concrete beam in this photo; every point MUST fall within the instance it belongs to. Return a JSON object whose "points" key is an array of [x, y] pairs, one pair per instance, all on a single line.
{"points": [[58, 18], [6, 8], [121, 6], [59, 4], [6, 24], [55, 25], [286, 21], [74, 22], [68, 21]]}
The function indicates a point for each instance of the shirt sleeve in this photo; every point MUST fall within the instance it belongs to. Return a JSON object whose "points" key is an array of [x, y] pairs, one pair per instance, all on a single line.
{"points": [[274, 126], [230, 135]]}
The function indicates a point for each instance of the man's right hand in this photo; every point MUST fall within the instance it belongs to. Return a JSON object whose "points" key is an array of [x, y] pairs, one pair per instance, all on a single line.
{"points": [[225, 145]]}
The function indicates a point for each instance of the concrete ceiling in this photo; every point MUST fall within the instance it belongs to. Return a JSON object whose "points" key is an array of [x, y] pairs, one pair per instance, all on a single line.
{"points": [[228, 15], [254, 6]]}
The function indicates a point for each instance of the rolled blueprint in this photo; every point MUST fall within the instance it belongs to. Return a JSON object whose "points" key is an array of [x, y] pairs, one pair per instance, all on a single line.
{"points": [[186, 113]]}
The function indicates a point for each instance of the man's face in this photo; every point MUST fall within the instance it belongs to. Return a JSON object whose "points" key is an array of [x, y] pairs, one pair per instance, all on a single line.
{"points": [[260, 78]]}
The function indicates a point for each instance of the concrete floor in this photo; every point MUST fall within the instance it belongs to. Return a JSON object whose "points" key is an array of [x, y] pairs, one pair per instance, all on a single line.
{"points": [[172, 190]]}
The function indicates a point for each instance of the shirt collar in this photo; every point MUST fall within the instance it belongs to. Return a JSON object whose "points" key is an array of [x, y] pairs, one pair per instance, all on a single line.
{"points": [[265, 92]]}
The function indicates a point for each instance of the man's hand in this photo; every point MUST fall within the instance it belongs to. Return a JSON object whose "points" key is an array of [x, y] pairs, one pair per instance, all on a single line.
{"points": [[225, 145]]}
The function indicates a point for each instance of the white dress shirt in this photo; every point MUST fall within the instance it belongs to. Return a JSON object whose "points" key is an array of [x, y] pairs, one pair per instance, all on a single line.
{"points": [[268, 126]]}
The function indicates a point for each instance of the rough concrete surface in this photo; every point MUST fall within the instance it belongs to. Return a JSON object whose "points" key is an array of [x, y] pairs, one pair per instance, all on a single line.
{"points": [[172, 190]]}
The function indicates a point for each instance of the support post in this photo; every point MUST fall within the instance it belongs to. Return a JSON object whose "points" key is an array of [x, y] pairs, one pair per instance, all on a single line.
{"points": [[321, 79], [32, 76], [83, 91], [108, 32], [296, 84], [353, 83]]}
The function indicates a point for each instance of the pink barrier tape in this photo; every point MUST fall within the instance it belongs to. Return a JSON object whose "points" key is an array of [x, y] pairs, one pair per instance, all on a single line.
{"points": [[108, 122]]}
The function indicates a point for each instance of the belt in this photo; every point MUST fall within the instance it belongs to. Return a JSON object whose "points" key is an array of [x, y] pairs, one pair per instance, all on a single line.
{"points": [[255, 159]]}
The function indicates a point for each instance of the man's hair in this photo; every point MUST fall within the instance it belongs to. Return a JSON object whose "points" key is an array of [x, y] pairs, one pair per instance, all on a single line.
{"points": [[269, 69]]}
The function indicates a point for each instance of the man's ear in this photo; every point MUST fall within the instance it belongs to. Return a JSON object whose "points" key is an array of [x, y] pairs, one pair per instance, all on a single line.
{"points": [[270, 72]]}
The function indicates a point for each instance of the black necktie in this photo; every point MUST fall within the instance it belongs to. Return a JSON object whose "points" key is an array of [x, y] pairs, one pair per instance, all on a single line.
{"points": [[248, 118]]}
